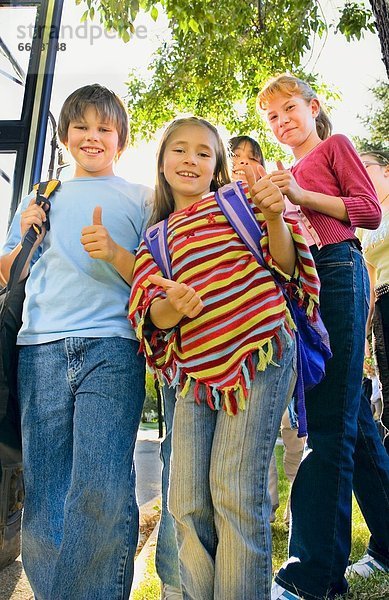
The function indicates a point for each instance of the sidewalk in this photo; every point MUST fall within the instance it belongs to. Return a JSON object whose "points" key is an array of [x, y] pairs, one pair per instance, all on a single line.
{"points": [[14, 583]]}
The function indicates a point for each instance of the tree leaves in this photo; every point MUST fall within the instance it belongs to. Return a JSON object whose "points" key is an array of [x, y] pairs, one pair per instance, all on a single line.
{"points": [[220, 55], [377, 121], [216, 70], [354, 20]]}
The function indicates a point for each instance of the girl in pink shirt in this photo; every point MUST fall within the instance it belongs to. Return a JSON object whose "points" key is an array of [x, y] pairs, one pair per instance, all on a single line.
{"points": [[333, 195]]}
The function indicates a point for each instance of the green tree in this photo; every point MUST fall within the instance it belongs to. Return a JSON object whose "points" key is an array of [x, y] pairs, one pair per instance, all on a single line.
{"points": [[219, 55], [376, 121], [150, 403]]}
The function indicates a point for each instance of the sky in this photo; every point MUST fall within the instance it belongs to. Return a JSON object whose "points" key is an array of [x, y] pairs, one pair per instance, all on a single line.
{"points": [[88, 54]]}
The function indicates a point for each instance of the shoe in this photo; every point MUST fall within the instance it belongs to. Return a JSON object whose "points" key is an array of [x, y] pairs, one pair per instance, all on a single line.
{"points": [[366, 566], [168, 592], [280, 593]]}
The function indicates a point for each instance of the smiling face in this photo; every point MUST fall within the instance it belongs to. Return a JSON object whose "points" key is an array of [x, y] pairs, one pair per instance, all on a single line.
{"points": [[189, 162], [243, 154], [293, 122], [93, 144]]}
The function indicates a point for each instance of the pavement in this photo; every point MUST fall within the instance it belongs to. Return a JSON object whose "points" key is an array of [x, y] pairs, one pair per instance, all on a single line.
{"points": [[148, 466], [13, 581]]}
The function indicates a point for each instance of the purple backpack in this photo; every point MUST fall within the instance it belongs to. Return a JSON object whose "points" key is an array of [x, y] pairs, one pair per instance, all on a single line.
{"points": [[312, 340]]}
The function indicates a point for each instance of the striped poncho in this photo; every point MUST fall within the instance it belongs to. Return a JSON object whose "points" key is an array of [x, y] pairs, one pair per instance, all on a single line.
{"points": [[243, 306]]}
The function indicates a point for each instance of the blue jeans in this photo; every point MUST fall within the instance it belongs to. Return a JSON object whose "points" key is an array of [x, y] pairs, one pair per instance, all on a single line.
{"points": [[218, 492], [81, 402], [166, 553], [344, 449]]}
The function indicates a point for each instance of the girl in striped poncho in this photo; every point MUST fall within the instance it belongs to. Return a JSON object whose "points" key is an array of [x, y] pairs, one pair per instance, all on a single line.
{"points": [[219, 332]]}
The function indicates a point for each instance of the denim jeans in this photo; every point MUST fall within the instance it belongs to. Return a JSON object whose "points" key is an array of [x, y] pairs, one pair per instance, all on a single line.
{"points": [[218, 491], [344, 449], [81, 402], [166, 553]]}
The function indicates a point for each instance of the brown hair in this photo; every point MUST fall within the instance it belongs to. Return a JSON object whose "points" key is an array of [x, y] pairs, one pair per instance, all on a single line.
{"points": [[107, 104], [288, 85], [382, 157], [163, 200]]}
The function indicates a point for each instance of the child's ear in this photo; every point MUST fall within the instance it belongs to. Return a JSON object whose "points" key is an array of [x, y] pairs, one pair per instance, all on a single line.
{"points": [[315, 107]]}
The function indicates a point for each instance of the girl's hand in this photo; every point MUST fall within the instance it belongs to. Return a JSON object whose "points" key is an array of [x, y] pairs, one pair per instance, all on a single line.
{"points": [[286, 182], [183, 299], [33, 215], [264, 193], [96, 239]]}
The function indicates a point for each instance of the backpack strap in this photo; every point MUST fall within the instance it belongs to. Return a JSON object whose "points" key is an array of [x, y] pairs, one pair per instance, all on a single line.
{"points": [[233, 203], [238, 212], [155, 238], [43, 191]]}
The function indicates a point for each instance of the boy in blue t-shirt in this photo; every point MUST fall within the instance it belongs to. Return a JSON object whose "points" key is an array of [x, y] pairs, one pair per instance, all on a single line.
{"points": [[80, 378]]}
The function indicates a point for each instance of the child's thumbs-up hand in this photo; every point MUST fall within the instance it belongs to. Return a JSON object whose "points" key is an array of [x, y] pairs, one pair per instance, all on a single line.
{"points": [[96, 239], [284, 179], [264, 193], [97, 218], [183, 299]]}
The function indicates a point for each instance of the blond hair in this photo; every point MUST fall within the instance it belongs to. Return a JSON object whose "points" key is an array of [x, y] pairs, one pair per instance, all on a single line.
{"points": [[288, 85], [163, 199]]}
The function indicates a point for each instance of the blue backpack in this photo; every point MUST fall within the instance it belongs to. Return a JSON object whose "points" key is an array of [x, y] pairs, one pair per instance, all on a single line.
{"points": [[312, 340]]}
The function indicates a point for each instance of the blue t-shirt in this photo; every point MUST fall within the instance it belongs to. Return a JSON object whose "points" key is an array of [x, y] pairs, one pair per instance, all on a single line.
{"points": [[68, 293]]}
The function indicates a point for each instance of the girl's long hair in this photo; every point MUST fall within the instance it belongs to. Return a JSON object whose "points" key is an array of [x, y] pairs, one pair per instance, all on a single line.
{"points": [[288, 85], [163, 204]]}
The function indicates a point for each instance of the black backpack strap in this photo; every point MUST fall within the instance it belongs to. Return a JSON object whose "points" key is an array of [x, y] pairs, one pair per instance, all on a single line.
{"points": [[44, 190]]}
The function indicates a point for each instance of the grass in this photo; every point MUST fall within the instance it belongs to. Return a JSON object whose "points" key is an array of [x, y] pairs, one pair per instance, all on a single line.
{"points": [[150, 588], [149, 425], [374, 588]]}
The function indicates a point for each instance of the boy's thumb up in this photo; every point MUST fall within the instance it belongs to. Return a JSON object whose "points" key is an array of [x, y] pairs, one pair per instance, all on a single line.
{"points": [[97, 216], [280, 166]]}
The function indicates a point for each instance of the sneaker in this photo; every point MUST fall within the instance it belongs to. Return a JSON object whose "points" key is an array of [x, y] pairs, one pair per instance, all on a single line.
{"points": [[366, 566], [280, 593], [168, 592]]}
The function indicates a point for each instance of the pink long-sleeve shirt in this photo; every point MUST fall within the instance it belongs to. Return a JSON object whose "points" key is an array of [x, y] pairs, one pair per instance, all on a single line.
{"points": [[334, 168]]}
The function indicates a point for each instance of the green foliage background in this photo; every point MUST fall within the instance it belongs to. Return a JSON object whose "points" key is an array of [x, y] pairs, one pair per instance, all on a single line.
{"points": [[219, 55], [377, 122]]}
